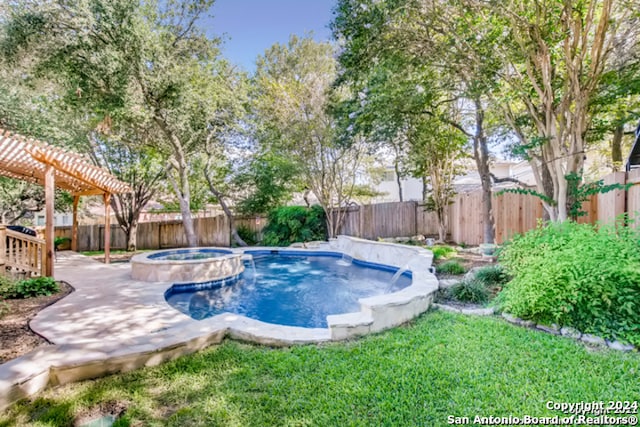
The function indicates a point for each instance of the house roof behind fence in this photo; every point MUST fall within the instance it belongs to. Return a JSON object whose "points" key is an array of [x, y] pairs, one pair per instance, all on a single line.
{"points": [[26, 159]]}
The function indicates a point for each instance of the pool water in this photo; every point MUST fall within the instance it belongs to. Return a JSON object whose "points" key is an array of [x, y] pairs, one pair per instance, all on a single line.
{"points": [[290, 290], [188, 254]]}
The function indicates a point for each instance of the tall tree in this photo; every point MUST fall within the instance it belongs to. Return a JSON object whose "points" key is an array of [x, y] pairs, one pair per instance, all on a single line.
{"points": [[127, 155], [553, 63], [129, 59], [443, 40], [292, 94]]}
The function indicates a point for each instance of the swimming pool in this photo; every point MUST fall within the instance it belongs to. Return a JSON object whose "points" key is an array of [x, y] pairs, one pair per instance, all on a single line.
{"points": [[290, 289]]}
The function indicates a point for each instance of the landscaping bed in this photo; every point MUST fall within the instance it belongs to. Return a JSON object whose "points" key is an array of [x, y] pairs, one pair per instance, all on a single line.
{"points": [[16, 338]]}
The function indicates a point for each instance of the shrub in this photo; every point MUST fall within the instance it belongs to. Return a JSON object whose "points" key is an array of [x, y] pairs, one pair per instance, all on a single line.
{"points": [[451, 267], [290, 224], [60, 241], [473, 291], [492, 275], [580, 275], [249, 236], [36, 287], [7, 287], [440, 252]]}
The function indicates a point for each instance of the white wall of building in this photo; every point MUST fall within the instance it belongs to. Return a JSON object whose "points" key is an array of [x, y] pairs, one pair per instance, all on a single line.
{"points": [[412, 187]]}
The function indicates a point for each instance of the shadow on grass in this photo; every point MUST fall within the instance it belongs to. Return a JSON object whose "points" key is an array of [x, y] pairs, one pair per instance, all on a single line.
{"points": [[439, 365]]}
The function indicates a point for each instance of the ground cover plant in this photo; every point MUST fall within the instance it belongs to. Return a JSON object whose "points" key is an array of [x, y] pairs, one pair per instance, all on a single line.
{"points": [[442, 251], [472, 291], [451, 267], [579, 275], [27, 288], [440, 365]]}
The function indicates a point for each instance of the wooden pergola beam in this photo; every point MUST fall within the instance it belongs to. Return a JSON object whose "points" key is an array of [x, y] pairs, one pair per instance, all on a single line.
{"points": [[53, 167]]}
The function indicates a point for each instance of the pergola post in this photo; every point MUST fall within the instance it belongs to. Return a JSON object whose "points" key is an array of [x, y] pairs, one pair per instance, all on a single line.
{"points": [[74, 226], [3, 248], [107, 226], [49, 212]]}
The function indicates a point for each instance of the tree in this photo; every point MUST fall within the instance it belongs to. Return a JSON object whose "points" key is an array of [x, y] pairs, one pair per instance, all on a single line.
{"points": [[292, 94], [441, 42], [435, 154], [267, 181], [124, 59], [128, 156], [20, 200], [553, 63]]}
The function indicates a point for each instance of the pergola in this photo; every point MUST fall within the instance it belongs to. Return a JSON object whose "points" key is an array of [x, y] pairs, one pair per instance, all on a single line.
{"points": [[38, 162]]}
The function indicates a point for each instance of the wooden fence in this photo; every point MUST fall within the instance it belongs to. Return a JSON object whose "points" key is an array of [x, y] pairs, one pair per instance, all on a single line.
{"points": [[513, 213]]}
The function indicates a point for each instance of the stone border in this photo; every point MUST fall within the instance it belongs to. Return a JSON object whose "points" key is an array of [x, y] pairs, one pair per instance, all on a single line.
{"points": [[60, 364], [565, 331], [570, 332], [146, 268]]}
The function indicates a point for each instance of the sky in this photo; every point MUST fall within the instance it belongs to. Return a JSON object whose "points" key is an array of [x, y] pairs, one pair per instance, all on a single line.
{"points": [[250, 27]]}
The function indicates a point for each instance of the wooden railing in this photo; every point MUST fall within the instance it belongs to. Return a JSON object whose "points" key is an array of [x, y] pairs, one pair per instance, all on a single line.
{"points": [[21, 254]]}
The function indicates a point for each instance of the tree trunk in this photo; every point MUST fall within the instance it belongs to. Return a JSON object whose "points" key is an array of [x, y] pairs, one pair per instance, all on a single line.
{"points": [[132, 236], [396, 168], [425, 192], [481, 156], [187, 222], [223, 204], [442, 225], [616, 148]]}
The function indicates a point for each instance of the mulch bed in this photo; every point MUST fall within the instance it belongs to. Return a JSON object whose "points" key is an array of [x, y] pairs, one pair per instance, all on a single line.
{"points": [[16, 338]]}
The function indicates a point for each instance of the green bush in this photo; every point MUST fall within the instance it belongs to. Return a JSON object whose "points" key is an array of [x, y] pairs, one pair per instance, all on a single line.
{"points": [[451, 267], [7, 287], [290, 224], [579, 275], [249, 236], [440, 252], [492, 275], [60, 241], [36, 287], [473, 291]]}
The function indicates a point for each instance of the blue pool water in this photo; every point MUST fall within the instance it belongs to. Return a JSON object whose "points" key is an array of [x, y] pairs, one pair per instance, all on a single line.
{"points": [[189, 254], [290, 290]]}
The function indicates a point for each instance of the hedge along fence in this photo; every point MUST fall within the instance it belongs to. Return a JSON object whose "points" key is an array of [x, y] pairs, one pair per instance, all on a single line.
{"points": [[513, 214]]}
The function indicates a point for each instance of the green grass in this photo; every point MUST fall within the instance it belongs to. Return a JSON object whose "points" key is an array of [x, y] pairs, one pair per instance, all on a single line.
{"points": [[440, 365]]}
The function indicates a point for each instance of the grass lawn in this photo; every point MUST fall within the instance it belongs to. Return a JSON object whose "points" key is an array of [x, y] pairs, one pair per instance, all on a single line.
{"points": [[442, 364]]}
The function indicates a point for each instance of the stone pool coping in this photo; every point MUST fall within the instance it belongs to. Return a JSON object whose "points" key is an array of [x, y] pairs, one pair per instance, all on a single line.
{"points": [[113, 323], [148, 268]]}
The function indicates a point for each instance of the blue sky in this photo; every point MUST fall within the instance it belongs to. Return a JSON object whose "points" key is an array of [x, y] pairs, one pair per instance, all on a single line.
{"points": [[251, 26]]}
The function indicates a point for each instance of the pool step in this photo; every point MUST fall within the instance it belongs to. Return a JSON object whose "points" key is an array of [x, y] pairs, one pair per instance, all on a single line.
{"points": [[348, 325]]}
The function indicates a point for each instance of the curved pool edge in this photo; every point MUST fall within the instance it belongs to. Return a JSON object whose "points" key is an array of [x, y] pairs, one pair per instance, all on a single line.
{"points": [[376, 313]]}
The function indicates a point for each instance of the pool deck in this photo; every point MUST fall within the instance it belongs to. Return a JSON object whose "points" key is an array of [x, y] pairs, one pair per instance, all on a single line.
{"points": [[113, 323], [109, 306]]}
